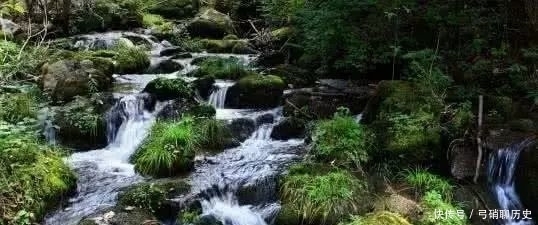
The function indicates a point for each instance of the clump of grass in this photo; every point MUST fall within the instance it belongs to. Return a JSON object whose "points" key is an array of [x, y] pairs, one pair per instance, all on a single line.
{"points": [[169, 149], [222, 68], [322, 198], [423, 181], [379, 218], [433, 202], [17, 107], [131, 59], [342, 140], [214, 134]]}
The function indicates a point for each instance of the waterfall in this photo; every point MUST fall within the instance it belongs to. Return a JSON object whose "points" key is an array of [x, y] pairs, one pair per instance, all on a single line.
{"points": [[501, 167], [251, 168], [104, 172], [218, 95]]}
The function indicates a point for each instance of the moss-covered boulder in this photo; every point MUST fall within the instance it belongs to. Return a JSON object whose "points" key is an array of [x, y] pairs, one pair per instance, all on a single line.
{"points": [[221, 68], [398, 204], [169, 149], [256, 91], [204, 85], [66, 79], [380, 218], [202, 111], [228, 46], [167, 89], [165, 66], [175, 9], [210, 23], [154, 196], [82, 124], [312, 196]]}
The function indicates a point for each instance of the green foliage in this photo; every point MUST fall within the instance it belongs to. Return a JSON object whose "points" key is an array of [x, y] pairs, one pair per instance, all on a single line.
{"points": [[202, 111], [412, 132], [322, 198], [222, 68], [279, 11], [108, 14], [342, 140], [17, 107], [255, 82], [189, 216], [33, 177], [166, 89], [169, 149], [214, 134], [145, 196], [379, 218], [82, 117], [131, 59], [17, 62], [424, 71], [433, 202], [423, 181], [11, 8], [157, 22]]}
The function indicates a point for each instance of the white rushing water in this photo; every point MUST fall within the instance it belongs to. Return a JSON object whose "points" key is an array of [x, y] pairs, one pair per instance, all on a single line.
{"points": [[103, 173], [501, 168], [218, 95]]}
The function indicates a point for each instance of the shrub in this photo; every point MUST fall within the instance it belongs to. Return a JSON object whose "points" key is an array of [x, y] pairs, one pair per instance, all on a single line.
{"points": [[433, 202], [380, 218], [343, 140], [16, 63], [131, 59], [33, 178], [169, 149], [167, 89], [222, 68], [17, 107], [322, 198], [423, 181]]}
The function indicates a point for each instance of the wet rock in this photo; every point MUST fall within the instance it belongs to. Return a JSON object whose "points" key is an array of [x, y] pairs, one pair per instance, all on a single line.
{"points": [[119, 216], [210, 23], [265, 118], [176, 108], [289, 128], [527, 178], [171, 51], [255, 91], [294, 76], [66, 79], [165, 66], [242, 128], [208, 220], [204, 85], [463, 160], [184, 55]]}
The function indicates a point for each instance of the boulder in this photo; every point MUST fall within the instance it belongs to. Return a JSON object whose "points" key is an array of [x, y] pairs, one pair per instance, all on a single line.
{"points": [[170, 51], [228, 46], [167, 89], [184, 55], [289, 128], [463, 160], [176, 108], [66, 79], [400, 204], [204, 85], [165, 66], [265, 118], [210, 23], [176, 9], [123, 216], [242, 128], [256, 91]]}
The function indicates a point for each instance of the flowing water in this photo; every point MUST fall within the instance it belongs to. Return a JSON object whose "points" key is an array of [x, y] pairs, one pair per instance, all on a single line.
{"points": [[218, 95], [237, 186], [501, 167]]}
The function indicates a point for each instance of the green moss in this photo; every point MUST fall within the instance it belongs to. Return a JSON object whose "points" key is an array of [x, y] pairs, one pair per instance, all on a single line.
{"points": [[34, 177], [380, 218], [253, 82], [423, 181], [17, 107], [323, 198], [433, 202], [282, 34], [169, 149], [131, 59], [343, 141], [166, 89], [145, 196], [222, 68], [202, 111], [221, 46]]}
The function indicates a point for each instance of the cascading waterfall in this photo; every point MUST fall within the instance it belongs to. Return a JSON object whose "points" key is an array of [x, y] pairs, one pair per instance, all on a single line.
{"points": [[104, 172], [501, 167], [218, 95], [253, 166]]}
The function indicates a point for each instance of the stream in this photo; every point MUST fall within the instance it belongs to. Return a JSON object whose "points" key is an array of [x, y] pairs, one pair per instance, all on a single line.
{"points": [[237, 186]]}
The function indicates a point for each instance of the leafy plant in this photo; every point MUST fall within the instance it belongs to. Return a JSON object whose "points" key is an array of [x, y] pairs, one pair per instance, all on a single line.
{"points": [[17, 107], [214, 134], [423, 181], [222, 68], [433, 202], [342, 140]]}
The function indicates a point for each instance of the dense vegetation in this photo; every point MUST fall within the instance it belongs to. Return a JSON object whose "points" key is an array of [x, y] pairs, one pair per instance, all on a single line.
{"points": [[428, 63]]}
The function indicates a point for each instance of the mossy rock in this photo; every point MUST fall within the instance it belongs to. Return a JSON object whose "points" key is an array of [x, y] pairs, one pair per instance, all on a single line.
{"points": [[204, 85], [221, 68], [167, 89], [283, 33], [165, 67], [175, 9], [210, 23], [202, 111], [256, 91], [82, 124], [288, 128], [380, 218]]}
